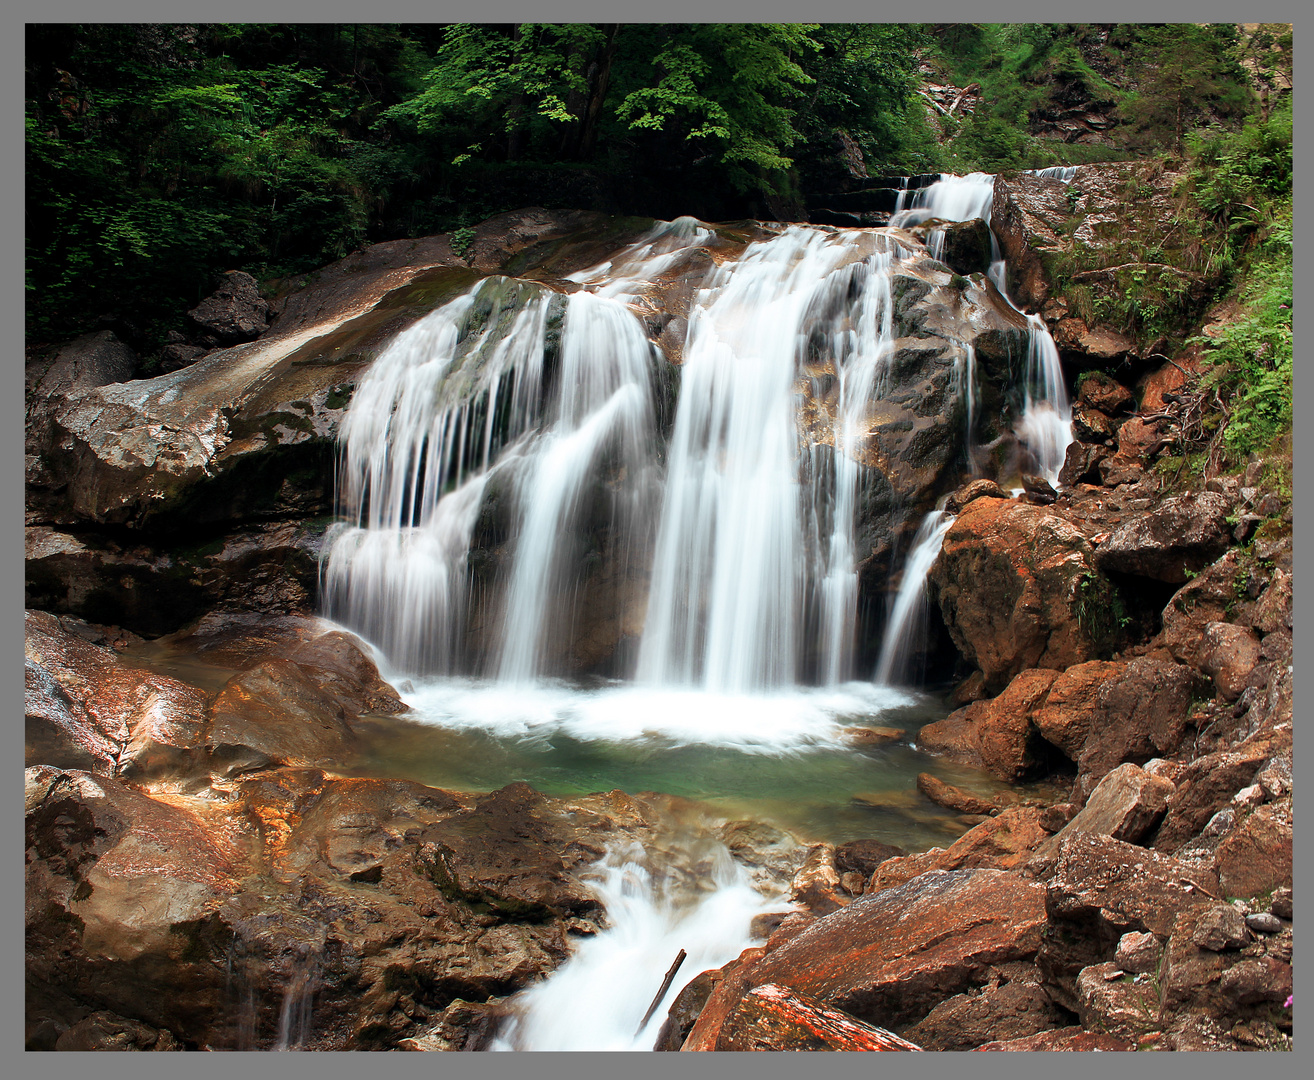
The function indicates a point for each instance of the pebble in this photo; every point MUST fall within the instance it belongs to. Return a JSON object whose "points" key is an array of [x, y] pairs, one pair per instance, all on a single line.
{"points": [[1264, 922]]}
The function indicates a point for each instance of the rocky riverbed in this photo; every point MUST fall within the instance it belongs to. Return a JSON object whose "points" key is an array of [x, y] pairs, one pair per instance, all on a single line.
{"points": [[197, 869]]}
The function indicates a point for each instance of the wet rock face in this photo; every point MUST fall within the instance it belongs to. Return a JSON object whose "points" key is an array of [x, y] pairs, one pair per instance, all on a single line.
{"points": [[1007, 583], [998, 735], [197, 918], [86, 710]]}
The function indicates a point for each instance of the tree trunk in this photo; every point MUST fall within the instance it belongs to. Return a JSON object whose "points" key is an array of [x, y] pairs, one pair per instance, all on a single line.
{"points": [[597, 94]]}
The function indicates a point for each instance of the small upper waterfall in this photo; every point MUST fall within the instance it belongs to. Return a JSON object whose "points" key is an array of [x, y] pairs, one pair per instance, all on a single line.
{"points": [[1045, 427]]}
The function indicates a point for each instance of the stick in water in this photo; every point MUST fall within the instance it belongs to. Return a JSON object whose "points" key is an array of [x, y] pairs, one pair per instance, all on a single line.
{"points": [[666, 985]]}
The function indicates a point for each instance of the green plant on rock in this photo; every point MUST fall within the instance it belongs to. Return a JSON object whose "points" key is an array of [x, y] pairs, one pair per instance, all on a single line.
{"points": [[1101, 612]]}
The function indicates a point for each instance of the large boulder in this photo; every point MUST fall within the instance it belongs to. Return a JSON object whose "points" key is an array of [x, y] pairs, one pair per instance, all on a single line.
{"points": [[1066, 716], [1004, 842], [1008, 582], [234, 312], [86, 710], [156, 588], [1126, 805], [91, 360], [1013, 1005], [1141, 714], [1177, 539], [885, 958], [247, 427], [1000, 735]]}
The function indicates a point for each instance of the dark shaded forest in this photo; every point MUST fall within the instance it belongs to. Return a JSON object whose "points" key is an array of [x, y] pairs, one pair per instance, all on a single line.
{"points": [[159, 155]]}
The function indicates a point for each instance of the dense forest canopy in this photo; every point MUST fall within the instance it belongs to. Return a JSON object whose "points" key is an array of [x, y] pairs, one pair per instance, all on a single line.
{"points": [[158, 155]]}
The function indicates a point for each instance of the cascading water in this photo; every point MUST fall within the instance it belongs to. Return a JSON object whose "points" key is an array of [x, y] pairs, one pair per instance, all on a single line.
{"points": [[523, 420], [594, 1001], [728, 589], [1045, 427], [906, 626]]}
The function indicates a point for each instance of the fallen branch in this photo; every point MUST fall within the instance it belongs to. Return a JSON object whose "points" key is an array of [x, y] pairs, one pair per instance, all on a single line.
{"points": [[933, 102], [973, 88], [666, 985], [1109, 271]]}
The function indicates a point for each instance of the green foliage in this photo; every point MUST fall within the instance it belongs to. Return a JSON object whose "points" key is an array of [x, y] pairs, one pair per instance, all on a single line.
{"points": [[1251, 359], [1183, 72], [1242, 181], [461, 239]]}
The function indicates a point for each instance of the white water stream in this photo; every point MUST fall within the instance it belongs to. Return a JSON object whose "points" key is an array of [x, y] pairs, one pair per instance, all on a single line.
{"points": [[597, 999], [906, 626]]}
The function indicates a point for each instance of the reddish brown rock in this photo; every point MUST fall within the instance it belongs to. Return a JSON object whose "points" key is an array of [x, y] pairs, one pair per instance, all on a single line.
{"points": [[277, 714], [1180, 537], [975, 490], [1204, 599], [1068, 1038], [998, 735], [1006, 582], [1142, 714], [953, 798], [1012, 1005], [1255, 857], [885, 958], [1190, 971], [863, 856], [1125, 805], [1165, 380], [969, 690], [86, 709], [1272, 613], [774, 1017], [1024, 216], [1122, 886], [1081, 464], [340, 665], [1065, 718], [1206, 786], [1228, 653], [1090, 425], [1258, 980], [1110, 999], [1002, 842], [817, 885], [1102, 392]]}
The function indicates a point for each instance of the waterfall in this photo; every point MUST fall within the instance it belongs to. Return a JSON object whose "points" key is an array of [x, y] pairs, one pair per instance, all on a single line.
{"points": [[505, 446], [906, 628], [600, 403], [725, 609], [597, 999], [477, 393], [1064, 173], [1045, 426]]}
